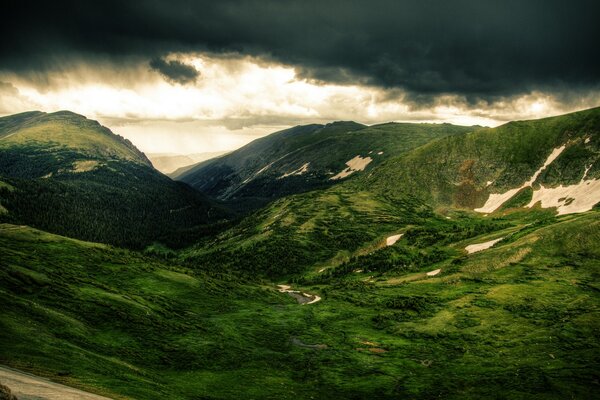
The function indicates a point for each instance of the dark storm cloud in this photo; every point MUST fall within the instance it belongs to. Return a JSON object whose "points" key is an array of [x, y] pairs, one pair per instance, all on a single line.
{"points": [[175, 71], [473, 48]]}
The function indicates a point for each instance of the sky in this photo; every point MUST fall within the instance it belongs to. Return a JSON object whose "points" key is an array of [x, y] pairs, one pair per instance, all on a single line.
{"points": [[183, 76]]}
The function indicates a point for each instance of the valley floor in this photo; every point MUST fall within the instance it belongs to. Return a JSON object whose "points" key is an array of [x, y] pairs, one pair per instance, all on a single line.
{"points": [[517, 320]]}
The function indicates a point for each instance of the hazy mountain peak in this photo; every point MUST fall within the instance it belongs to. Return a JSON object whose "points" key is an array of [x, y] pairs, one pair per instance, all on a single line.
{"points": [[67, 131]]}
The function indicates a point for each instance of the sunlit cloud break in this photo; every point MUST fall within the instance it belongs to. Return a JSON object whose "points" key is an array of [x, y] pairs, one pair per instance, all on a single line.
{"points": [[189, 102]]}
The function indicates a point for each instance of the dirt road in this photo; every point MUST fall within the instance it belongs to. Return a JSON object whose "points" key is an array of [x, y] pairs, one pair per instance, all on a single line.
{"points": [[31, 387]]}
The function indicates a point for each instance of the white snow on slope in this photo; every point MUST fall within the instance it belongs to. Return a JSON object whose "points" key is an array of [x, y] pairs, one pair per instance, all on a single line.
{"points": [[260, 171], [356, 164], [474, 248], [497, 199], [302, 170], [393, 239], [576, 198]]}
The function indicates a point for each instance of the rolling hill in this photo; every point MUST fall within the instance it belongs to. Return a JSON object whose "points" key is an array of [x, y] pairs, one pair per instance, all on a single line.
{"points": [[306, 157], [66, 174], [421, 318]]}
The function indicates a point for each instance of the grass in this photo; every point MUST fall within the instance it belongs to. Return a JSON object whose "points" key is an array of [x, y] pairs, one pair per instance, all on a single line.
{"points": [[515, 321]]}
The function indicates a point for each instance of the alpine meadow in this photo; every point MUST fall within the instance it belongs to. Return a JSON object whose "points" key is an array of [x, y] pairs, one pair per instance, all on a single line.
{"points": [[300, 200]]}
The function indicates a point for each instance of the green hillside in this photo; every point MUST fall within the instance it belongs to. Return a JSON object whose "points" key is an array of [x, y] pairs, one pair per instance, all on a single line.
{"points": [[307, 157], [464, 170], [519, 319], [403, 289], [443, 177], [72, 176], [66, 132]]}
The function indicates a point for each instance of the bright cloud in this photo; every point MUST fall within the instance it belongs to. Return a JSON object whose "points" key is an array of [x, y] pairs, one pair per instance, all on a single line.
{"points": [[233, 101]]}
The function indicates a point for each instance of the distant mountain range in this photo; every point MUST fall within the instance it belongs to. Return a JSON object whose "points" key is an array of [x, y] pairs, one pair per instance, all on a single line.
{"points": [[170, 163], [306, 157], [521, 166]]}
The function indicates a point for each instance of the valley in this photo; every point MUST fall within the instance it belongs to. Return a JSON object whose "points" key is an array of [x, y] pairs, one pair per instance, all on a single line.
{"points": [[446, 267]]}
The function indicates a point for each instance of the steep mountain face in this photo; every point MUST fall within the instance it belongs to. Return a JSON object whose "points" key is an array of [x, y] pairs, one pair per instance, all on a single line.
{"points": [[554, 161], [307, 157], [72, 176]]}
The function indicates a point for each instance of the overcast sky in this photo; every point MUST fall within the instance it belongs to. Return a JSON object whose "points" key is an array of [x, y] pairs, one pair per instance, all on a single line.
{"points": [[194, 76]]}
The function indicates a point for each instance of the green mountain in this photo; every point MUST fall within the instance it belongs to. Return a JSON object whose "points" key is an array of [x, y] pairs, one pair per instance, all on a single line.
{"points": [[62, 135], [66, 174], [465, 268], [453, 175], [529, 156], [306, 157]]}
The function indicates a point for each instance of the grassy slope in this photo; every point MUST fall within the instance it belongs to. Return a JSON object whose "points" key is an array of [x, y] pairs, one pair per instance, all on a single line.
{"points": [[516, 321], [455, 170], [325, 227], [64, 129], [520, 319]]}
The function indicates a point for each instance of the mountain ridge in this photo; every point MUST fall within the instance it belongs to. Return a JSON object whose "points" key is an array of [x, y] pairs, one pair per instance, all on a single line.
{"points": [[307, 157], [48, 128], [71, 175], [464, 170]]}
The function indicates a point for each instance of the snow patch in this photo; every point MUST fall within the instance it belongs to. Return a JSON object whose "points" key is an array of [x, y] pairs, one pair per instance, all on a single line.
{"points": [[356, 164], [85, 166], [380, 153], [587, 140], [302, 170], [497, 199], [474, 248], [488, 183], [393, 239], [434, 272], [260, 171], [316, 298], [580, 197]]}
